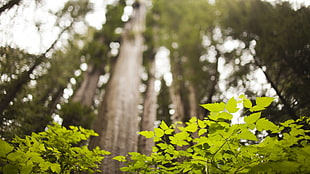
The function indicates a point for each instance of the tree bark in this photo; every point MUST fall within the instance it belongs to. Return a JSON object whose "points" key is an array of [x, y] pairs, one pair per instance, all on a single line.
{"points": [[117, 121], [86, 92], [149, 112], [193, 101], [177, 104]]}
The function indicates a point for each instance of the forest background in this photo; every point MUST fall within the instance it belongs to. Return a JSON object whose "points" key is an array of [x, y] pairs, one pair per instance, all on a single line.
{"points": [[149, 61]]}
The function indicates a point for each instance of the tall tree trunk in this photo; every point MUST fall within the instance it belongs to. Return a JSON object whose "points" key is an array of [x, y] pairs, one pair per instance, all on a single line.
{"points": [[177, 104], [193, 101], [117, 121], [86, 92], [214, 82], [149, 112]]}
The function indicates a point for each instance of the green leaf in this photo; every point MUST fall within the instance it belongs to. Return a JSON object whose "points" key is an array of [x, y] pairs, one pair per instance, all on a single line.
{"points": [[222, 115], [252, 118], [14, 156], [247, 135], [201, 124], [5, 148], [192, 127], [247, 103], [225, 115], [257, 108], [155, 149], [124, 169], [159, 132], [55, 168], [168, 131], [147, 134], [27, 168], [287, 123], [214, 107], [120, 158], [202, 131], [231, 105], [45, 166], [264, 124], [178, 142], [162, 146], [264, 101], [163, 125], [10, 169]]}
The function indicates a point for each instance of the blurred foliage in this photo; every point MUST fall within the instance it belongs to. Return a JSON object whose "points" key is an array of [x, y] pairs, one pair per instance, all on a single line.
{"points": [[76, 114], [281, 41]]}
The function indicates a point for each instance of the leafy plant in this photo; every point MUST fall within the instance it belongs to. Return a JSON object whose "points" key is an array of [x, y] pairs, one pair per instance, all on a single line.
{"points": [[52, 151], [215, 145]]}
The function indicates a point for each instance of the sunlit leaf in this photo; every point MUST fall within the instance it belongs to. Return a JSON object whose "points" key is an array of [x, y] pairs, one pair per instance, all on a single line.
{"points": [[201, 124], [247, 135], [159, 132], [168, 131], [252, 118], [225, 115], [264, 124], [192, 127], [202, 131], [257, 108], [147, 134], [231, 105], [247, 103], [120, 158], [264, 101], [214, 107], [163, 125]]}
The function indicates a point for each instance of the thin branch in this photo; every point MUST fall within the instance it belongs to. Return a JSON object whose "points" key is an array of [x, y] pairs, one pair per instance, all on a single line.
{"points": [[274, 86], [16, 85], [9, 5]]}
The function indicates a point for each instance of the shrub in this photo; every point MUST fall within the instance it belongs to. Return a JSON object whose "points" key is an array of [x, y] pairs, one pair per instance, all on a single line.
{"points": [[215, 145], [52, 151]]}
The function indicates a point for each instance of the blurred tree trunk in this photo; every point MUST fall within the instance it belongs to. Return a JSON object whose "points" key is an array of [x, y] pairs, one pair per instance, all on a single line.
{"points": [[177, 103], [193, 104], [214, 81], [149, 112], [117, 121], [87, 90]]}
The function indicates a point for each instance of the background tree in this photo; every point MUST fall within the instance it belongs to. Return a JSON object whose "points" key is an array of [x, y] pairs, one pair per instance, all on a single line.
{"points": [[22, 74], [280, 39], [100, 59], [117, 120]]}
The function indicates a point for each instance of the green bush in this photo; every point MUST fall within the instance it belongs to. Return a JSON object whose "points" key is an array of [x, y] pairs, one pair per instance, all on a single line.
{"points": [[211, 145], [215, 145], [52, 151]]}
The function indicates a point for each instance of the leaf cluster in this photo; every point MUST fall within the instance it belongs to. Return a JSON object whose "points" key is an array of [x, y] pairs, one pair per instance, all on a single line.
{"points": [[52, 151], [215, 145]]}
